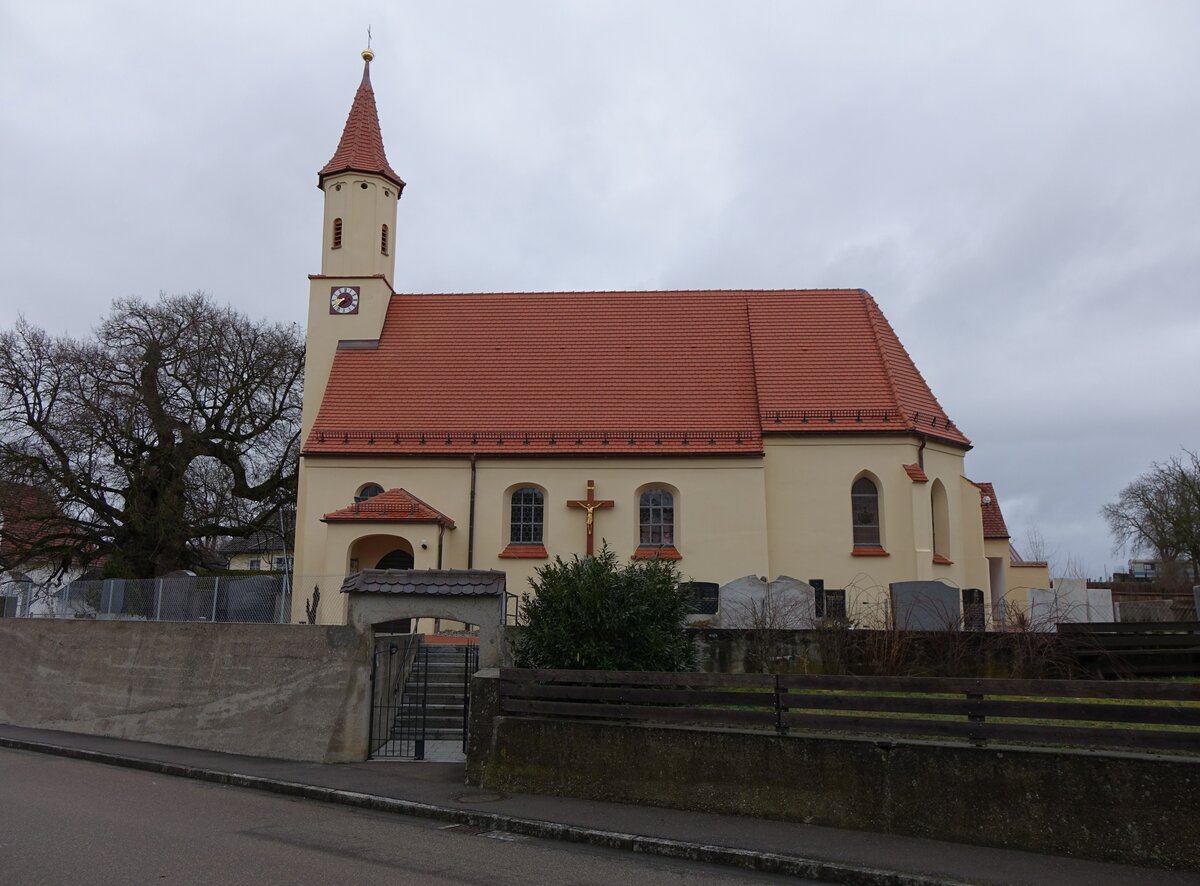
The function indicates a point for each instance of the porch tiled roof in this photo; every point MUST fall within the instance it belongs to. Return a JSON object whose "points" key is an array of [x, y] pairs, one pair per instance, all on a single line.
{"points": [[446, 582], [393, 506]]}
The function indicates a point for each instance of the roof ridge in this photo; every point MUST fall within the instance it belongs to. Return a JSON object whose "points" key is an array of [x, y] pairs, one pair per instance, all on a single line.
{"points": [[642, 292], [868, 304], [753, 366]]}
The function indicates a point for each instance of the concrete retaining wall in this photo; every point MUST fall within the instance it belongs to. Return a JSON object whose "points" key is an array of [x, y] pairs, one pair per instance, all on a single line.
{"points": [[1120, 807], [296, 692]]}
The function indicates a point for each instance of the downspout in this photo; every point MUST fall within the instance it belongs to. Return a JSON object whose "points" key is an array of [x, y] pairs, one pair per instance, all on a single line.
{"points": [[921, 452], [441, 534], [471, 520]]}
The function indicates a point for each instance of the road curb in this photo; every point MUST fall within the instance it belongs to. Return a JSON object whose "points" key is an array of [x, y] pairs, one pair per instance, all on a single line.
{"points": [[746, 859]]}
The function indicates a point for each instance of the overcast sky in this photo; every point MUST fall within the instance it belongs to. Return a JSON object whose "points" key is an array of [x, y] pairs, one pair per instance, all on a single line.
{"points": [[1017, 184]]}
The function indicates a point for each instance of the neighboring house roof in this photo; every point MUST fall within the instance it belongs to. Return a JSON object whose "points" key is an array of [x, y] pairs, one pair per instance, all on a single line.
{"points": [[993, 519], [393, 506], [361, 146], [27, 515], [266, 541], [1015, 559], [258, 543], [688, 372], [443, 582]]}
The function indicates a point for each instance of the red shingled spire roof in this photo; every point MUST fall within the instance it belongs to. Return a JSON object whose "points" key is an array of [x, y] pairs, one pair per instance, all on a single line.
{"points": [[361, 147]]}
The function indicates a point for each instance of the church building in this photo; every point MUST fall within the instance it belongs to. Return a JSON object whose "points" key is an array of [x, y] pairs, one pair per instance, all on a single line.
{"points": [[765, 433]]}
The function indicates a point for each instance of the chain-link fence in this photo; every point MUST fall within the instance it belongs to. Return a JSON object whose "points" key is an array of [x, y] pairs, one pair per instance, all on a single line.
{"points": [[224, 598]]}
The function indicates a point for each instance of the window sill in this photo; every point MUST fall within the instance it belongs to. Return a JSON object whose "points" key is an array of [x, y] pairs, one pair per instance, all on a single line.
{"points": [[656, 552], [524, 552], [942, 560], [869, 552]]}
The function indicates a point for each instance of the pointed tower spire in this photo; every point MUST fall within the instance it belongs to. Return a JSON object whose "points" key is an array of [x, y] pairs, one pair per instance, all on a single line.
{"points": [[361, 147]]}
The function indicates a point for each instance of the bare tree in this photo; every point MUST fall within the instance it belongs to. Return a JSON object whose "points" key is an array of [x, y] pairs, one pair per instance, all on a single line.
{"points": [[1035, 547], [1159, 512], [176, 422]]}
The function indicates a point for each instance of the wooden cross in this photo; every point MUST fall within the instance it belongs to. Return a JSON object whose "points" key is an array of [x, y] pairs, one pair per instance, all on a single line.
{"points": [[590, 504]]}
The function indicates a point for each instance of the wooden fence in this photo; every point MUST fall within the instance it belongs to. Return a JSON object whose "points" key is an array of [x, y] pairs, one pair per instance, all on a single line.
{"points": [[1084, 713], [1127, 649]]}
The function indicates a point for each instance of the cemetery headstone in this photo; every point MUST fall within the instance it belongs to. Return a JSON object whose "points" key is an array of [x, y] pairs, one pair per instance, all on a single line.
{"points": [[926, 605]]}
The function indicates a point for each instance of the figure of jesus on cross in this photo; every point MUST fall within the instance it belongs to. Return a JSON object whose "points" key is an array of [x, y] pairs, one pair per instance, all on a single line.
{"points": [[590, 504]]}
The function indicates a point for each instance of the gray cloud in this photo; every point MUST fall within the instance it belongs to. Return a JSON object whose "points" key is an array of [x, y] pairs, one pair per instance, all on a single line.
{"points": [[1016, 183]]}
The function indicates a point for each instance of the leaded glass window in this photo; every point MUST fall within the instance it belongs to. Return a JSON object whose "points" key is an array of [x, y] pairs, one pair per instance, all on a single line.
{"points": [[864, 503], [525, 523], [657, 517]]}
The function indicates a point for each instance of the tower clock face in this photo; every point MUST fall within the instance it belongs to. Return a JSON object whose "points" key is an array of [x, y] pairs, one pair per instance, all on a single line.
{"points": [[343, 300]]}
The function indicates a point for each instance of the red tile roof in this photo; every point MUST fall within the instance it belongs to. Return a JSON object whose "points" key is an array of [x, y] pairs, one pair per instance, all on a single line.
{"points": [[916, 473], [993, 519], [31, 527], [361, 147], [692, 372], [393, 506]]}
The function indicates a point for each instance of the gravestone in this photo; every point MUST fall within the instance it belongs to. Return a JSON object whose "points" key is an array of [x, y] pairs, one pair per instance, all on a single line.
{"points": [[752, 602], [706, 597], [737, 600], [1100, 605], [795, 600], [1070, 600], [926, 605], [1043, 610]]}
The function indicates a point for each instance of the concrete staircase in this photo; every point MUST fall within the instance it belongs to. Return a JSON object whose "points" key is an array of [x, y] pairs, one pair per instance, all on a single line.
{"points": [[434, 694]]}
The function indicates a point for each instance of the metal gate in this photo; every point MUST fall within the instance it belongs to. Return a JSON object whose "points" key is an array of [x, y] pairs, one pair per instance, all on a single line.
{"points": [[420, 695]]}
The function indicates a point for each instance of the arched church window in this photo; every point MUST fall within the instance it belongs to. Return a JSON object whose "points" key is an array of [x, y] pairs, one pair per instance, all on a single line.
{"points": [[864, 505], [940, 508], [656, 515], [383, 241], [369, 491], [337, 233], [525, 519]]}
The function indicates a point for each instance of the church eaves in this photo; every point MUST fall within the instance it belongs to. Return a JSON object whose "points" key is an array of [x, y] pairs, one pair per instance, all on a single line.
{"points": [[361, 147]]}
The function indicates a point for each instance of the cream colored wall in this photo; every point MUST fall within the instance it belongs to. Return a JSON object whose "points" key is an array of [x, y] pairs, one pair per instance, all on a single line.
{"points": [[242, 561], [719, 516], [785, 514], [968, 547], [364, 203], [810, 523], [997, 548], [1021, 578]]}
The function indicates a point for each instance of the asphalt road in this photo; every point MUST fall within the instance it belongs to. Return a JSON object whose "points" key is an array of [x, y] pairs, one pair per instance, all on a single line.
{"points": [[67, 821]]}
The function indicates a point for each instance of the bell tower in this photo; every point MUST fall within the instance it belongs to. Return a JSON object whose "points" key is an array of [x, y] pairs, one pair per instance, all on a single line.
{"points": [[361, 191], [349, 298]]}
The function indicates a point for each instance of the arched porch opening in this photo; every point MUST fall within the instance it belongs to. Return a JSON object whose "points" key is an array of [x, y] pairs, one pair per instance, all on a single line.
{"points": [[379, 551]]}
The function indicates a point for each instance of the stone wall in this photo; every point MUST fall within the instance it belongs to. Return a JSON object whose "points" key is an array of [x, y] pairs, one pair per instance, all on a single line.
{"points": [[289, 691], [1120, 807]]}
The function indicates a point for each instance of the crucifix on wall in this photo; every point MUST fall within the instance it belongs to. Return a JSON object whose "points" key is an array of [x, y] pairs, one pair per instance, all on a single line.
{"points": [[590, 504]]}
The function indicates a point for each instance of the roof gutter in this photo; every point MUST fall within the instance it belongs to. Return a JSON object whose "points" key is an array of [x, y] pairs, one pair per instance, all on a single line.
{"points": [[471, 520]]}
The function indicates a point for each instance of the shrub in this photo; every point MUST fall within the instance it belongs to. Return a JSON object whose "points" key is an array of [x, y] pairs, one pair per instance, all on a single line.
{"points": [[594, 614]]}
